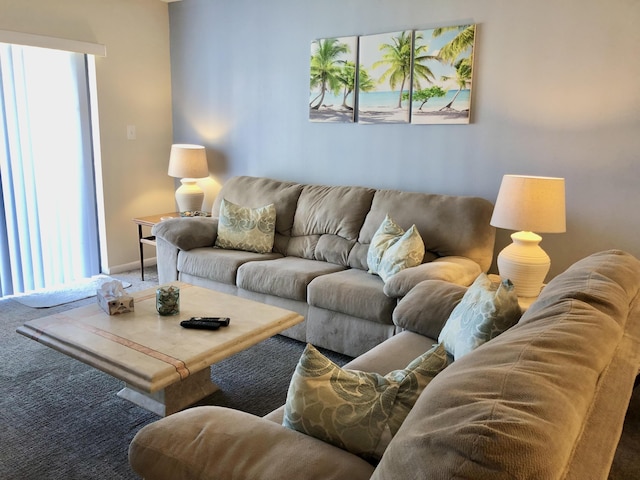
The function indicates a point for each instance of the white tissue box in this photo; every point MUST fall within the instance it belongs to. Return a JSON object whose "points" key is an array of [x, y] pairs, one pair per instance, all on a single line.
{"points": [[115, 305]]}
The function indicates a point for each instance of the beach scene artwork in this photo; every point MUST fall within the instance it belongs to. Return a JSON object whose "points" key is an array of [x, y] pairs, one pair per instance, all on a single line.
{"points": [[384, 77], [442, 71], [333, 79]]}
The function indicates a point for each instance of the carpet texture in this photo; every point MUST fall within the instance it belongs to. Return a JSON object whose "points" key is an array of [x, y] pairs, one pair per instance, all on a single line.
{"points": [[61, 419], [61, 294]]}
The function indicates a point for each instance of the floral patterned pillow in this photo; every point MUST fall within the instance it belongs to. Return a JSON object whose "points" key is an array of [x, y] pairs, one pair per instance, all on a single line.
{"points": [[486, 310], [244, 228], [392, 249], [357, 411]]}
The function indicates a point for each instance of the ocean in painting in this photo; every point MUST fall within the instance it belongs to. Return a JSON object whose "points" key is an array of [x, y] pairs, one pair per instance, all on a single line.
{"points": [[390, 100]]}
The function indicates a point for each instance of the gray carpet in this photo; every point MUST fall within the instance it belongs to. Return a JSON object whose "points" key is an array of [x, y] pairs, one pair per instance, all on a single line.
{"points": [[60, 419]]}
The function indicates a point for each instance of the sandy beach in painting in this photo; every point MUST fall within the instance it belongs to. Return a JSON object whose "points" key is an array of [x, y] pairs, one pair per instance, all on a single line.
{"points": [[331, 113], [436, 116], [374, 115], [383, 115]]}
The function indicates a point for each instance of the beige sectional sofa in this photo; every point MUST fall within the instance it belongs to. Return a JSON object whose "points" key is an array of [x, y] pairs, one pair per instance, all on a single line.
{"points": [[318, 266], [544, 400]]}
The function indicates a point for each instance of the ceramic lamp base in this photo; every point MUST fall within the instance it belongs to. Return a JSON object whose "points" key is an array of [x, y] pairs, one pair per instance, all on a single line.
{"points": [[189, 196], [524, 263]]}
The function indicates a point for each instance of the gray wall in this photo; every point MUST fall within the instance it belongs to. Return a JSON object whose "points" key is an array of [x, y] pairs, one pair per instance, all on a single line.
{"points": [[555, 94]]}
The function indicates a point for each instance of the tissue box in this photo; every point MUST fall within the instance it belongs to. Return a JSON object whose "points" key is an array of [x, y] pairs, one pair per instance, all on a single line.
{"points": [[115, 305]]}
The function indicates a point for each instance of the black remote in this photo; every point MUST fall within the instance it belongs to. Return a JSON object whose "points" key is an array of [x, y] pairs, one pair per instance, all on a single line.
{"points": [[223, 321], [200, 324]]}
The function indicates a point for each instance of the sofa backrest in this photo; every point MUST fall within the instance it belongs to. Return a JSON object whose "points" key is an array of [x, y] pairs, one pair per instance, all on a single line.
{"points": [[545, 399], [336, 223], [327, 222], [449, 225]]}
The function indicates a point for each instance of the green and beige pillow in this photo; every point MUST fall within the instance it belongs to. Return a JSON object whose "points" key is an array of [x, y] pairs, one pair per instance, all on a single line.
{"points": [[486, 310], [357, 411], [392, 249], [244, 228]]}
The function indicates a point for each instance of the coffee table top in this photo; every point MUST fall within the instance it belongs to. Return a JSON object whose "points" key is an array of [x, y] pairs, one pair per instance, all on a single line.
{"points": [[150, 351]]}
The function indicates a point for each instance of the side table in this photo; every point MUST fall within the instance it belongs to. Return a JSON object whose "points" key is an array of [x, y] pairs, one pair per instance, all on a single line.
{"points": [[149, 221]]}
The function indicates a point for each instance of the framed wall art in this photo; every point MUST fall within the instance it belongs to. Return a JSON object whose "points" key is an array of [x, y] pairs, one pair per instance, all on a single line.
{"points": [[332, 81], [384, 77], [442, 73], [420, 77]]}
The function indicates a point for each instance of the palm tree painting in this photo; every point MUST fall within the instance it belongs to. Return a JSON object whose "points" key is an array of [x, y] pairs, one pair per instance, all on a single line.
{"points": [[443, 95], [386, 59], [333, 79]]}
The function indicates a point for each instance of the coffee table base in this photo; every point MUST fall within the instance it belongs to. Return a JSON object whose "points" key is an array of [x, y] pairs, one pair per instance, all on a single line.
{"points": [[175, 397]]}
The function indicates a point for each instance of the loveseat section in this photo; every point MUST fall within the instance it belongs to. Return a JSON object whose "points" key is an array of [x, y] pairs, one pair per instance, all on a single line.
{"points": [[546, 399]]}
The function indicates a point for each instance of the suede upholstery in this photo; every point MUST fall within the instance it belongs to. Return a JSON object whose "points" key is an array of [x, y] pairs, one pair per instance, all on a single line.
{"points": [[320, 253], [544, 400], [441, 297]]}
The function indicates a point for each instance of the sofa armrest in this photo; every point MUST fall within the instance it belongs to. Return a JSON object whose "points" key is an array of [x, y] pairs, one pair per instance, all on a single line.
{"points": [[204, 443], [459, 270], [182, 233], [187, 233], [427, 307]]}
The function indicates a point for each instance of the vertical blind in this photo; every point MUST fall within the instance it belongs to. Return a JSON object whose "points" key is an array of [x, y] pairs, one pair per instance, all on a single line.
{"points": [[48, 219]]}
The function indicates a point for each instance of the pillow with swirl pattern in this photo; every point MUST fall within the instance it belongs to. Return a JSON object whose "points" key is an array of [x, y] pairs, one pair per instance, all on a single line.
{"points": [[485, 311], [392, 249], [244, 228], [357, 411]]}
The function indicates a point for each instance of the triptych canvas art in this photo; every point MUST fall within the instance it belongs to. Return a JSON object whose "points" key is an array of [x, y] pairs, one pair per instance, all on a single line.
{"points": [[411, 76]]}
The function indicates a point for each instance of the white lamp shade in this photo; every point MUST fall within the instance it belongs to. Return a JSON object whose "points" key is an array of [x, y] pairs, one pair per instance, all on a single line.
{"points": [[188, 161], [528, 204], [533, 204]]}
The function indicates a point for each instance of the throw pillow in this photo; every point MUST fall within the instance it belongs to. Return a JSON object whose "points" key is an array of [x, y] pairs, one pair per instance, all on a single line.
{"points": [[392, 249], [244, 228], [486, 310], [357, 411]]}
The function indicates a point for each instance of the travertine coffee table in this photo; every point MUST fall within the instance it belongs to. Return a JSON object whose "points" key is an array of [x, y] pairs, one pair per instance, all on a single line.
{"points": [[165, 367]]}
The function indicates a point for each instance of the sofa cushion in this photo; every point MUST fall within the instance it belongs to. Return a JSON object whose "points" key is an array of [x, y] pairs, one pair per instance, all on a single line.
{"points": [[355, 410], [328, 210], [353, 292], [486, 310], [245, 228], [526, 415], [393, 250], [427, 307], [286, 277], [218, 264]]}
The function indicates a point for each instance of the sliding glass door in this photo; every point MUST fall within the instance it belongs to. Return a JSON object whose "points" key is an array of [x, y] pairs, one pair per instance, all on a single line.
{"points": [[48, 220]]}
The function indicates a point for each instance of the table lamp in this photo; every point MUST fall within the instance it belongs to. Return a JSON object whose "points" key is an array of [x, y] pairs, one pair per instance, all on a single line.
{"points": [[188, 162], [528, 204]]}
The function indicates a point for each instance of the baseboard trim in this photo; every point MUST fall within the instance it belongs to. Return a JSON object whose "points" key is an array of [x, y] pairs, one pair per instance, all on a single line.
{"points": [[127, 267]]}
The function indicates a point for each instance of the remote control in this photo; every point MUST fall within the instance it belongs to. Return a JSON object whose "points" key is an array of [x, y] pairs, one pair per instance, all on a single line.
{"points": [[223, 321], [200, 324]]}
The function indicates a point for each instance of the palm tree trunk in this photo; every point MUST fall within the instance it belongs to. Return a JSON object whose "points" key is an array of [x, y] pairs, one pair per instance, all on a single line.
{"points": [[401, 90], [448, 105], [317, 105], [317, 97], [347, 91]]}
